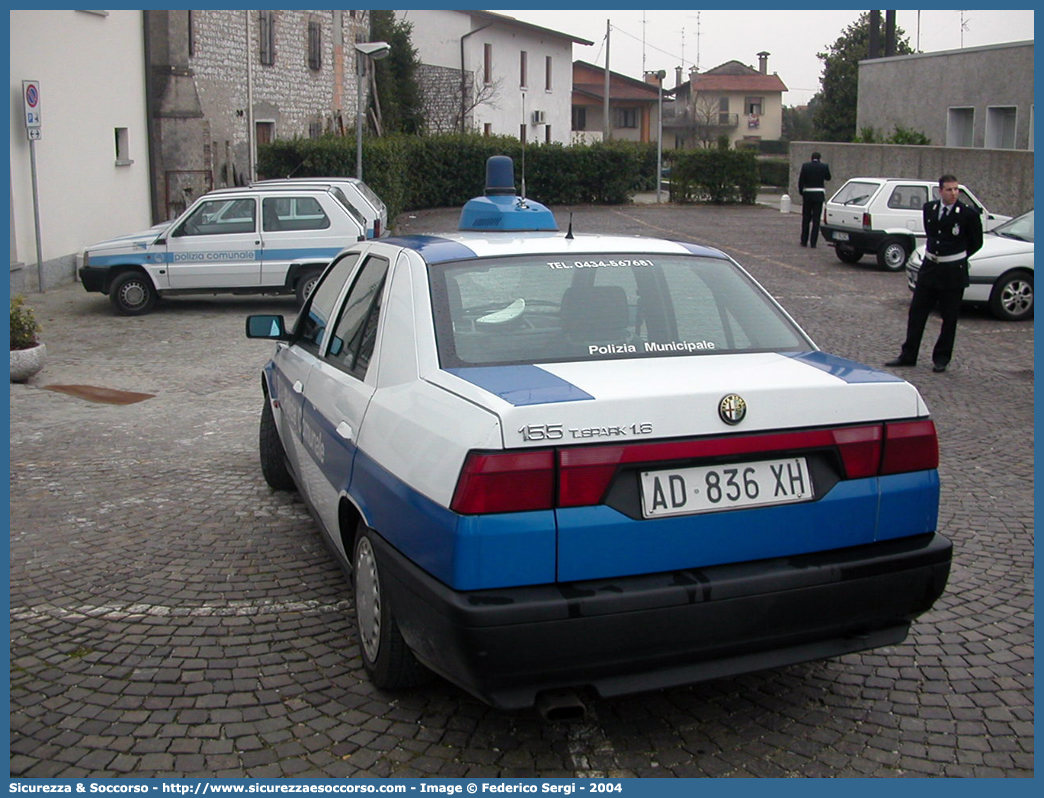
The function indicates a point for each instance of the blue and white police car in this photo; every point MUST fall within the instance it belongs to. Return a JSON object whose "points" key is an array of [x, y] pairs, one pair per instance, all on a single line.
{"points": [[560, 465], [235, 240]]}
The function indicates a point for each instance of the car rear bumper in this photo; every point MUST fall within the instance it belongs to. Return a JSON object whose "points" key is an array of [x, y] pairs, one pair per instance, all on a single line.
{"points": [[617, 636], [859, 240]]}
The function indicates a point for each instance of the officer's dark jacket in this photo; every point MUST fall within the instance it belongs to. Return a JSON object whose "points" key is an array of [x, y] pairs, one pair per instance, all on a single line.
{"points": [[959, 233], [813, 174]]}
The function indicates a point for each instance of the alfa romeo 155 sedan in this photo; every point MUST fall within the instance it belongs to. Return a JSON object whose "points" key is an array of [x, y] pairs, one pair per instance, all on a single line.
{"points": [[564, 466]]}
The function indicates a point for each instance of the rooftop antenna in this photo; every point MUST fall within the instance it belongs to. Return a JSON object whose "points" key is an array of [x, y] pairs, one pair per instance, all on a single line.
{"points": [[643, 42], [522, 197], [569, 232]]}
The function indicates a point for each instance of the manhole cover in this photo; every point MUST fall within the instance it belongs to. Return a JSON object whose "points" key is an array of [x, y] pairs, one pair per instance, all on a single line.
{"points": [[93, 393]]}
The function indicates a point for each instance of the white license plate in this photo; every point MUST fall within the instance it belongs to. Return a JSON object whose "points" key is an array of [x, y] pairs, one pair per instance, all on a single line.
{"points": [[840, 236], [705, 489]]}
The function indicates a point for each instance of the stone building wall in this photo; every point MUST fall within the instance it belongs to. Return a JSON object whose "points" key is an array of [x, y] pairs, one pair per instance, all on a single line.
{"points": [[440, 87], [206, 67]]}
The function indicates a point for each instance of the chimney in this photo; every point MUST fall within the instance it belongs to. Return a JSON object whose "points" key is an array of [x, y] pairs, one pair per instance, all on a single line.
{"points": [[677, 76], [763, 62]]}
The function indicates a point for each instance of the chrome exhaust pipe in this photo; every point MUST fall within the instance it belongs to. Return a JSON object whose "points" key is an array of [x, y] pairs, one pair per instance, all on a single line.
{"points": [[560, 705]]}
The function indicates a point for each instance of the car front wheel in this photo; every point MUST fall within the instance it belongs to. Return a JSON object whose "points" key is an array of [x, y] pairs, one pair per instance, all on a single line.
{"points": [[270, 449], [132, 294], [387, 659], [1012, 297], [892, 254]]}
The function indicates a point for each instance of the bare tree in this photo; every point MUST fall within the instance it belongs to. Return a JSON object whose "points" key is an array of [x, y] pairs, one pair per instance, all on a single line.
{"points": [[481, 93], [706, 118]]}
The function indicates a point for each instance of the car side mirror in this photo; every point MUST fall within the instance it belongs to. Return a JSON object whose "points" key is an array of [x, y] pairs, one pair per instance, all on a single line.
{"points": [[267, 326]]}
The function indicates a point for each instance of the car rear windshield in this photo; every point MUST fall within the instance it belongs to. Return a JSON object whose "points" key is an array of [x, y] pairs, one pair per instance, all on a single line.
{"points": [[540, 309], [855, 193]]}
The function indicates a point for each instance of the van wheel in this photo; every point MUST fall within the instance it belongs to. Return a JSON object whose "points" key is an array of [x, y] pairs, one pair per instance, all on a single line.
{"points": [[848, 254], [892, 254], [387, 659], [305, 285], [132, 294], [1012, 297], [273, 456]]}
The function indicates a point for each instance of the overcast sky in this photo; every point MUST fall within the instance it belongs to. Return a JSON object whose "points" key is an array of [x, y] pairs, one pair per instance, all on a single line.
{"points": [[657, 39]]}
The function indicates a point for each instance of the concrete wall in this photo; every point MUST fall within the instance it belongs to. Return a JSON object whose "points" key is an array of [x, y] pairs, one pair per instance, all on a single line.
{"points": [[1002, 179], [92, 81], [918, 91]]}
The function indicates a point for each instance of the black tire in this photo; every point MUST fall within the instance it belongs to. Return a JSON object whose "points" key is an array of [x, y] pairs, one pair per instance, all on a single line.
{"points": [[132, 294], [1012, 297], [305, 285], [273, 456], [387, 659], [892, 254], [848, 254]]}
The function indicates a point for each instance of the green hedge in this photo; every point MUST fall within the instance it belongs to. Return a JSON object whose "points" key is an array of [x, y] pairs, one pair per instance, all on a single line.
{"points": [[413, 172], [774, 172], [714, 175]]}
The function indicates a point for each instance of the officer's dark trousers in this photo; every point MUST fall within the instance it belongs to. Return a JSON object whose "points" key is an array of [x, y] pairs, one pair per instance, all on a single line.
{"points": [[925, 298], [811, 213]]}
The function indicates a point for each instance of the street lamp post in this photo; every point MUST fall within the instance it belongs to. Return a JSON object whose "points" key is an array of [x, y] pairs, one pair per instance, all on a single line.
{"points": [[363, 51]]}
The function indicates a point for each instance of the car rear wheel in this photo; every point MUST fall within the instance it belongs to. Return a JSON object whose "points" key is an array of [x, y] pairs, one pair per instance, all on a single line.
{"points": [[1012, 297], [387, 659], [132, 294], [892, 254], [305, 285], [848, 254], [273, 456]]}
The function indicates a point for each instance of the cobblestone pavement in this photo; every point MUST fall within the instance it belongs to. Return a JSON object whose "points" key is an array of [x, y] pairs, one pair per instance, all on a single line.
{"points": [[172, 616]]}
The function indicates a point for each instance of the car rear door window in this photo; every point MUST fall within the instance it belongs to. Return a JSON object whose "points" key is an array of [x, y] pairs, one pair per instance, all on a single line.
{"points": [[355, 333], [293, 213], [908, 197], [312, 325]]}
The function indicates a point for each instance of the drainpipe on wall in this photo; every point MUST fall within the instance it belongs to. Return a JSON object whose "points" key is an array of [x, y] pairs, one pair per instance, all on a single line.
{"points": [[251, 132], [150, 126], [463, 74]]}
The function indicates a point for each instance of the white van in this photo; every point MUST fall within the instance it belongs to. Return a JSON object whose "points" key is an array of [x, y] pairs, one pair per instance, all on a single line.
{"points": [[235, 240]]}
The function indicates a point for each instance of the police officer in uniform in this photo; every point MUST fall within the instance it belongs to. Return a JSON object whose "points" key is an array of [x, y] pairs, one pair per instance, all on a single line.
{"points": [[954, 235], [811, 180]]}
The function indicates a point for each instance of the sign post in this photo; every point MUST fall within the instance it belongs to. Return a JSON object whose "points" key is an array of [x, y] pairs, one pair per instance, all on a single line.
{"points": [[33, 130]]}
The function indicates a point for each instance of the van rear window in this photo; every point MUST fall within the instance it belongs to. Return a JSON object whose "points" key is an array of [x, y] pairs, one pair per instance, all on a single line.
{"points": [[855, 193]]}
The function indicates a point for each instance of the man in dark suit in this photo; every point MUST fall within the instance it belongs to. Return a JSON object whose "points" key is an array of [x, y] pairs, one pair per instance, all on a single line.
{"points": [[954, 235], [811, 187]]}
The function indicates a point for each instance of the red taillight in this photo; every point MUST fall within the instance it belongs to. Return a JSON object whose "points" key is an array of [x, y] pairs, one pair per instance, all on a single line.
{"points": [[866, 221], [506, 482], [503, 482], [376, 228], [860, 450], [910, 446]]}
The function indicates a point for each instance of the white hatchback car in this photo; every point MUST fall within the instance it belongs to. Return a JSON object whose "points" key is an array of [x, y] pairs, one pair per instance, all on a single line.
{"points": [[234, 240], [883, 217], [559, 466], [1001, 273]]}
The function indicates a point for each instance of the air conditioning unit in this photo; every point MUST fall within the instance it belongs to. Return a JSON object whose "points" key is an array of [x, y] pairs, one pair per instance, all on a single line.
{"points": [[539, 118]]}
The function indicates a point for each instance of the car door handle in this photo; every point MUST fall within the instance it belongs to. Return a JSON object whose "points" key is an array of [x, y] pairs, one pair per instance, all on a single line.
{"points": [[344, 429], [298, 386]]}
